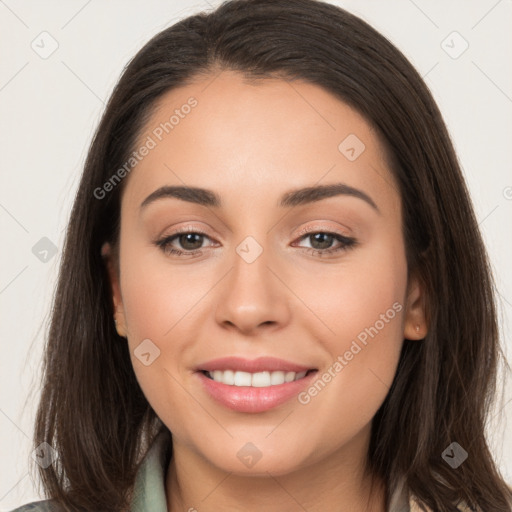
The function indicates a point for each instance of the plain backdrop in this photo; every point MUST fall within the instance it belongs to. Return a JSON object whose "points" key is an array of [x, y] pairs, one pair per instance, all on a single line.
{"points": [[50, 105]]}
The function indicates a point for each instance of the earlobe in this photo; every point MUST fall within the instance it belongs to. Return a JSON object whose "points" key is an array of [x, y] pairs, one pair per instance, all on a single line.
{"points": [[108, 256], [415, 324]]}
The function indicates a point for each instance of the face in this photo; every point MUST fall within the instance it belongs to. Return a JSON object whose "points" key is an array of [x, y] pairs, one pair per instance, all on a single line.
{"points": [[296, 303]]}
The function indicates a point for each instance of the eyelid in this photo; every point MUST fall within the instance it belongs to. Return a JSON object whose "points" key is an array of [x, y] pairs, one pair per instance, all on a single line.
{"points": [[347, 233], [184, 229]]}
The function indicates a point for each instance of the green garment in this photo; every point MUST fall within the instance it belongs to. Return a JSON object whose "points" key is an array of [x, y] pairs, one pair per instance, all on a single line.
{"points": [[149, 491]]}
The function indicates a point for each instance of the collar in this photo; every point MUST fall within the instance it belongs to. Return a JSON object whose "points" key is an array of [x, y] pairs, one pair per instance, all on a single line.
{"points": [[149, 489]]}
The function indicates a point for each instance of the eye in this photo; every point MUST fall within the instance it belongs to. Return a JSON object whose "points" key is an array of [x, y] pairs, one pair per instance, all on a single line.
{"points": [[321, 242], [190, 241]]}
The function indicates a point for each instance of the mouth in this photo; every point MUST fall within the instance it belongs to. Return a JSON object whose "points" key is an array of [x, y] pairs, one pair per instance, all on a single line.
{"points": [[262, 379], [253, 386]]}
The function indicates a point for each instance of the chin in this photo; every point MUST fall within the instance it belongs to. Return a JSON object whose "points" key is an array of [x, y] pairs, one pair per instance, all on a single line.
{"points": [[253, 459]]}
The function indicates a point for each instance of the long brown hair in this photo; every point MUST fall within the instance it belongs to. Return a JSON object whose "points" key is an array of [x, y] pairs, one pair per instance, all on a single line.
{"points": [[92, 410]]}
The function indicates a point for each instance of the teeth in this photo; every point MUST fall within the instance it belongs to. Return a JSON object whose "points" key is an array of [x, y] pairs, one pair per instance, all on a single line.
{"points": [[256, 380]]}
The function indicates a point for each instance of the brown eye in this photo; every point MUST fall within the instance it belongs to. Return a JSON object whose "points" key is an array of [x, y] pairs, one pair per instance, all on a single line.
{"points": [[182, 243], [190, 241]]}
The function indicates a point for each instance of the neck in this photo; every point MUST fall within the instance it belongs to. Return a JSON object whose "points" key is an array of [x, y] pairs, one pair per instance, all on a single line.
{"points": [[337, 483]]}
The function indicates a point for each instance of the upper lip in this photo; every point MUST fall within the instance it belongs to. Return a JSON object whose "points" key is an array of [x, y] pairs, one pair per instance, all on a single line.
{"points": [[260, 364]]}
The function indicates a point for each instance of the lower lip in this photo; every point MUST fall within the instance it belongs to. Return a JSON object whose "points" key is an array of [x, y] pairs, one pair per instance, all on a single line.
{"points": [[250, 399]]}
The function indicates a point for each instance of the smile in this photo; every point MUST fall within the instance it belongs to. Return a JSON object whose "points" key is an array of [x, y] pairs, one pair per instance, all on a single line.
{"points": [[253, 386], [256, 380]]}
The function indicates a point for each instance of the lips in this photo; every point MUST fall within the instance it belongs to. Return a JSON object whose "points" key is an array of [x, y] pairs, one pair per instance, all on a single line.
{"points": [[253, 385]]}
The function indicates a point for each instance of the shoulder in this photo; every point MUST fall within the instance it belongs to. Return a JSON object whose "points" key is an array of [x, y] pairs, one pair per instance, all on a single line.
{"points": [[40, 506]]}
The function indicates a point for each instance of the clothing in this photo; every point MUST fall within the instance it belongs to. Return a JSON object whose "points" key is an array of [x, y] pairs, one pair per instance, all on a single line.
{"points": [[149, 490]]}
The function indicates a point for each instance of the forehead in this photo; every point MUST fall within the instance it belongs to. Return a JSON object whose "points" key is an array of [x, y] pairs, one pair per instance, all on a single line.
{"points": [[256, 139]]}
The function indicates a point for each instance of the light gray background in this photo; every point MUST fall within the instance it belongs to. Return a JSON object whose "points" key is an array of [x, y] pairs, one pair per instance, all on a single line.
{"points": [[50, 107]]}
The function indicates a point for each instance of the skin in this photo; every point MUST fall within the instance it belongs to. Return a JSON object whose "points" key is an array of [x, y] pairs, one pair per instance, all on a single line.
{"points": [[251, 143]]}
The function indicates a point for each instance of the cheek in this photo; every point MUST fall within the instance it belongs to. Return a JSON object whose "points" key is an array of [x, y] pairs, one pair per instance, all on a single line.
{"points": [[365, 291], [157, 297], [153, 304]]}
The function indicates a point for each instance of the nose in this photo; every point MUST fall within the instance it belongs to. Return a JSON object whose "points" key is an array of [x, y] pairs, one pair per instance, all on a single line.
{"points": [[253, 296]]}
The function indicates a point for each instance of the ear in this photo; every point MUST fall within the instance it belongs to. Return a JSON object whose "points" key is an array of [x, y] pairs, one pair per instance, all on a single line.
{"points": [[109, 259], [415, 322]]}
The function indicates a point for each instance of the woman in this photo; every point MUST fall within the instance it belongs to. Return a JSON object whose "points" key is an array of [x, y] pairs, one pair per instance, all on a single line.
{"points": [[200, 356]]}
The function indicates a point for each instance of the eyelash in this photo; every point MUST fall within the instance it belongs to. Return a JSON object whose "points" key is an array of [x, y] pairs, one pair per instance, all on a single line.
{"points": [[346, 242]]}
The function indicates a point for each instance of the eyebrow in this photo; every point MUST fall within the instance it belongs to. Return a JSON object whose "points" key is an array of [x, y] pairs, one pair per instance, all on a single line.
{"points": [[290, 199]]}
